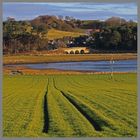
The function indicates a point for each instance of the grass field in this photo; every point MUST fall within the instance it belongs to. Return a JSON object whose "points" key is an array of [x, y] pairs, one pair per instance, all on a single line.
{"points": [[70, 105], [55, 34]]}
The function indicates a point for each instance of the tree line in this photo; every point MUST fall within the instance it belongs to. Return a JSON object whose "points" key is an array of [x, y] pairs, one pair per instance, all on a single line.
{"points": [[23, 36], [122, 37]]}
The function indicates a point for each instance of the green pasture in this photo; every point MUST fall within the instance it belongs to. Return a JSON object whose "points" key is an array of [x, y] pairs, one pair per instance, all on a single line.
{"points": [[57, 34], [70, 105]]}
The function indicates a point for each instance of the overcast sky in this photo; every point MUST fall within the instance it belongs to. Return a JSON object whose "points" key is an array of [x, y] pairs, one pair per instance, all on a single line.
{"points": [[101, 11]]}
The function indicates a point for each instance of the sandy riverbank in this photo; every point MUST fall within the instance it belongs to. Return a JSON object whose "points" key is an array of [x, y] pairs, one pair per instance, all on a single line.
{"points": [[25, 70], [21, 59]]}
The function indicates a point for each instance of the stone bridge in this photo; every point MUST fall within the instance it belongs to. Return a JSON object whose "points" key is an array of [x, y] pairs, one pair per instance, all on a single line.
{"points": [[76, 50]]}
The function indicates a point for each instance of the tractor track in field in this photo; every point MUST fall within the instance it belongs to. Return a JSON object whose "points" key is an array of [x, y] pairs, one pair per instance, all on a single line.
{"points": [[70, 106], [78, 108], [46, 113], [90, 119]]}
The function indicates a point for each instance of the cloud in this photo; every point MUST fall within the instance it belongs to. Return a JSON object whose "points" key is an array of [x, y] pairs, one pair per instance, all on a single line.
{"points": [[22, 11]]}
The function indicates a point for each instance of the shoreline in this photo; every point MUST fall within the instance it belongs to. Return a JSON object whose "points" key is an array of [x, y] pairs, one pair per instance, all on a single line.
{"points": [[11, 60], [26, 71], [18, 64]]}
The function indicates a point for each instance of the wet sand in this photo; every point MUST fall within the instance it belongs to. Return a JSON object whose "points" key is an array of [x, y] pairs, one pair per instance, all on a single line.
{"points": [[25, 70], [28, 59]]}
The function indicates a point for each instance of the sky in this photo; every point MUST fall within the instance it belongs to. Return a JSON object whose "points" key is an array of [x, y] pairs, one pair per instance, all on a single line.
{"points": [[79, 10]]}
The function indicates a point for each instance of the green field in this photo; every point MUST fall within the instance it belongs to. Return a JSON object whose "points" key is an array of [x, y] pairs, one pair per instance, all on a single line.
{"points": [[70, 105], [56, 34]]}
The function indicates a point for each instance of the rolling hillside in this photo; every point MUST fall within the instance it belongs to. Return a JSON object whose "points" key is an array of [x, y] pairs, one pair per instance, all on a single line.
{"points": [[53, 22], [54, 34]]}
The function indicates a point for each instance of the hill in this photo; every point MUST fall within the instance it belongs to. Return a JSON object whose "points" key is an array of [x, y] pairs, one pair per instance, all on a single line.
{"points": [[26, 36], [53, 22], [96, 24], [115, 21]]}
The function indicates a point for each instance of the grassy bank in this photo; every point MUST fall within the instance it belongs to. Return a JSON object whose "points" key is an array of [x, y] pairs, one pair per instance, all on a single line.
{"points": [[62, 58], [70, 106], [56, 34]]}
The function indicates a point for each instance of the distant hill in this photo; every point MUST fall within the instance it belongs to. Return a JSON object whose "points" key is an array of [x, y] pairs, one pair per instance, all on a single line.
{"points": [[54, 22], [96, 24], [52, 32], [74, 25], [115, 21]]}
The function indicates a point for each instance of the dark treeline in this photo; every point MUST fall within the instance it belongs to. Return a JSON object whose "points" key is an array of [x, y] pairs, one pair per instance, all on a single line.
{"points": [[122, 37], [114, 38], [22, 37], [25, 36]]}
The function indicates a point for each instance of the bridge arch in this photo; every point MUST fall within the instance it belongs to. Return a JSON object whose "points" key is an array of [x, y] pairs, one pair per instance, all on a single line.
{"points": [[77, 52], [71, 52], [82, 52]]}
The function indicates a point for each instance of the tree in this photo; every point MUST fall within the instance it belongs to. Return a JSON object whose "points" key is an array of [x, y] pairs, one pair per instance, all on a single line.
{"points": [[41, 28], [61, 44], [115, 39]]}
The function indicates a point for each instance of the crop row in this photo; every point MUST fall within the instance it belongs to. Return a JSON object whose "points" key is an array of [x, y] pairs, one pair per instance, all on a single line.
{"points": [[22, 105], [70, 105], [117, 102], [64, 119]]}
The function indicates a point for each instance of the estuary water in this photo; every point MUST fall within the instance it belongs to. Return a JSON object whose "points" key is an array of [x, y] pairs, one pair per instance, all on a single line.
{"points": [[97, 66]]}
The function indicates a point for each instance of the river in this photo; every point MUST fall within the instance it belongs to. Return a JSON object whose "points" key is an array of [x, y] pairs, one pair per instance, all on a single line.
{"points": [[98, 66]]}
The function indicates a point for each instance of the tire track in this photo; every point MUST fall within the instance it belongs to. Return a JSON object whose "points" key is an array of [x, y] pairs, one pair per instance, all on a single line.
{"points": [[88, 117], [46, 114]]}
